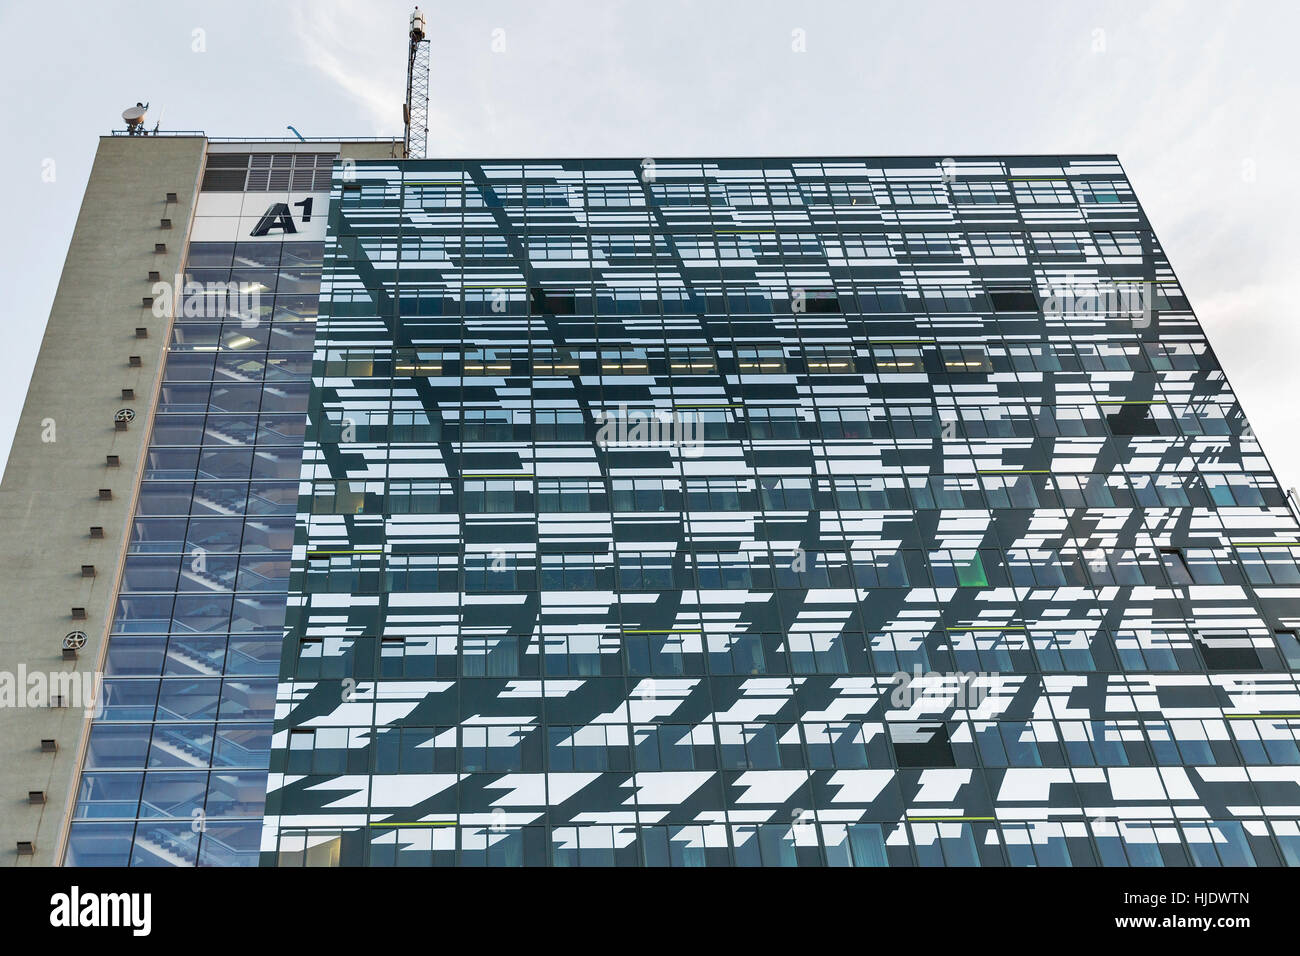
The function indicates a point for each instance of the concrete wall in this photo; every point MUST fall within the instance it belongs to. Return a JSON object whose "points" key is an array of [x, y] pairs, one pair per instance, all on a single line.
{"points": [[49, 498]]}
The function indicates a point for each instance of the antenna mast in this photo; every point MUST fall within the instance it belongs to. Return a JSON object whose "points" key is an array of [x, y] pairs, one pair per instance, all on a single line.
{"points": [[415, 111]]}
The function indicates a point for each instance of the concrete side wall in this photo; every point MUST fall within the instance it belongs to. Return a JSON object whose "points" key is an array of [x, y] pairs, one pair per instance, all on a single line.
{"points": [[49, 496]]}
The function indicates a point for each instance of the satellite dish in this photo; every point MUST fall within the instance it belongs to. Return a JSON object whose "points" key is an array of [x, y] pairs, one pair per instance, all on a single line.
{"points": [[134, 118]]}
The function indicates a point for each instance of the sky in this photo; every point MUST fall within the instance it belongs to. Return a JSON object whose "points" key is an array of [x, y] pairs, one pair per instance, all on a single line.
{"points": [[1196, 98]]}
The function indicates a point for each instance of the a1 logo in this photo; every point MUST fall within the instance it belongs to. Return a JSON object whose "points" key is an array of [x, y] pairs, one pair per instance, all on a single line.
{"points": [[278, 215]]}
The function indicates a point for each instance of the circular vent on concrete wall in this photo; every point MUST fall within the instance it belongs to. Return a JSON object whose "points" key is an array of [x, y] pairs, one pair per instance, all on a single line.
{"points": [[124, 415], [74, 640]]}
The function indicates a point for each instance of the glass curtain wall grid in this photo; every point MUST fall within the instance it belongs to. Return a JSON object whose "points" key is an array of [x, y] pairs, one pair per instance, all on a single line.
{"points": [[966, 558], [175, 769]]}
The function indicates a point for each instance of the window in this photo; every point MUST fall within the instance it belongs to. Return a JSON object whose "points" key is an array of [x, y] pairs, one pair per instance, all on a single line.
{"points": [[1103, 191], [785, 494], [838, 193], [921, 745], [918, 194], [349, 363], [645, 570], [1062, 243], [421, 497], [760, 361], [980, 193], [570, 495], [1247, 491], [736, 654], [418, 363], [1043, 568], [863, 246], [999, 245], [932, 245], [773, 422], [1010, 491], [1118, 243], [642, 494], [958, 568], [1013, 300], [496, 496], [575, 571], [1069, 420], [853, 423], [558, 248], [1270, 565], [1084, 491], [486, 362], [759, 746], [347, 497], [1229, 651], [723, 570], [1177, 356], [965, 358], [490, 656], [478, 248], [486, 424], [1043, 192], [719, 494], [828, 359], [1138, 418], [1123, 567], [591, 748], [798, 568], [945, 491], [548, 362], [624, 362], [880, 568], [558, 425], [870, 494], [691, 360], [898, 359], [819, 653]]}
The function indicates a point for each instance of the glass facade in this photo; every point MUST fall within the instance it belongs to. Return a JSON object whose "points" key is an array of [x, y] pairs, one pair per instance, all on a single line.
{"points": [[175, 769], [759, 512], [850, 512]]}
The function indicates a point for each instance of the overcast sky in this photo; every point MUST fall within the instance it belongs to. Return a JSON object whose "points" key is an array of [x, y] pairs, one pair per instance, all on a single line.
{"points": [[1198, 99]]}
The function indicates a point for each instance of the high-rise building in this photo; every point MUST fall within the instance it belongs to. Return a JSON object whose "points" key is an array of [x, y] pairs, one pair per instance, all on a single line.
{"points": [[780, 511]]}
